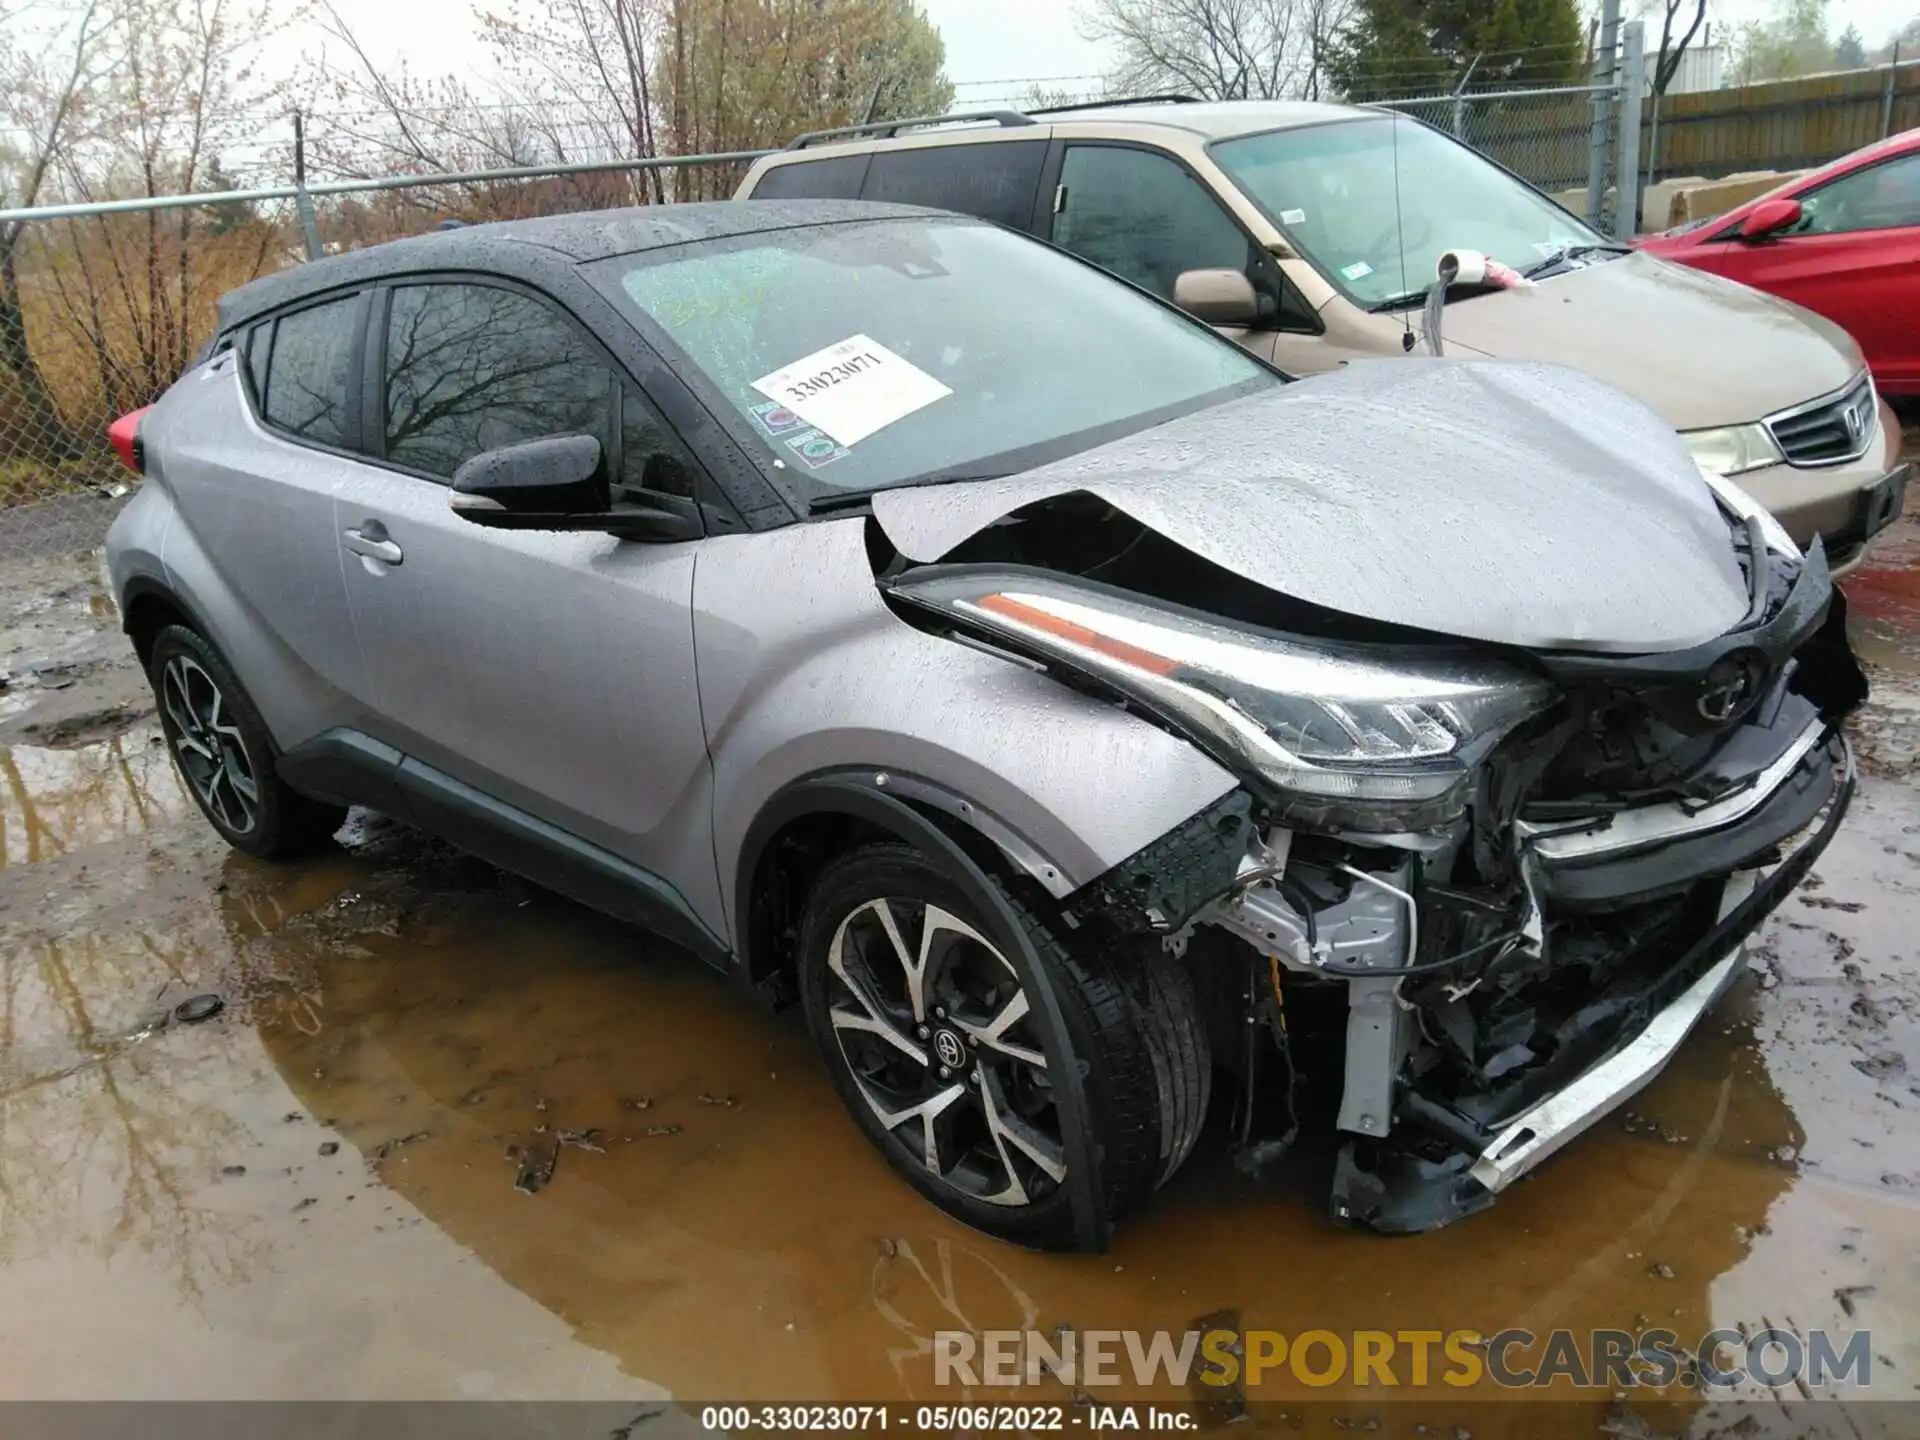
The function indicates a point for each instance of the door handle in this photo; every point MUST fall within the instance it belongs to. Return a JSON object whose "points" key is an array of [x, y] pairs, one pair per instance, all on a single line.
{"points": [[371, 540]]}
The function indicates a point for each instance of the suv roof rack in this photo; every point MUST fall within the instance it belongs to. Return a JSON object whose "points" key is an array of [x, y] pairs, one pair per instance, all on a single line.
{"points": [[1168, 99], [886, 129]]}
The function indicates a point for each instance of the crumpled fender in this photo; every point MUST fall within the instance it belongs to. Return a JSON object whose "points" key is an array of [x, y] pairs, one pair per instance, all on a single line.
{"points": [[803, 670]]}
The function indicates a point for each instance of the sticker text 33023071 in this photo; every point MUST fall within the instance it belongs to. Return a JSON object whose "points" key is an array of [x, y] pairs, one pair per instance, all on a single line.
{"points": [[851, 389]]}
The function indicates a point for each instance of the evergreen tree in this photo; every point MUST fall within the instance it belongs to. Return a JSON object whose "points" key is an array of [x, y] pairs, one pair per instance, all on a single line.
{"points": [[1411, 47]]}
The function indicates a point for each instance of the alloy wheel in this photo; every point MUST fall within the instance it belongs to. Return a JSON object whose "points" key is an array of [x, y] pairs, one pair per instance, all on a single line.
{"points": [[207, 745], [938, 1035]]}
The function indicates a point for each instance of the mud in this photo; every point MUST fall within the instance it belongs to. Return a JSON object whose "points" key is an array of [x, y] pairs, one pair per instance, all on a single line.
{"points": [[453, 1137], [66, 674]]}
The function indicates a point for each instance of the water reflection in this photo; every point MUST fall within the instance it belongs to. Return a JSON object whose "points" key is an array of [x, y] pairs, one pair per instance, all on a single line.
{"points": [[477, 1022], [104, 1123], [726, 1231], [55, 801]]}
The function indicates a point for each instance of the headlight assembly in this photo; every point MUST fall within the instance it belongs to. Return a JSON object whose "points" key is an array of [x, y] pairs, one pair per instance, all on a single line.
{"points": [[1732, 449], [1350, 737], [1744, 507]]}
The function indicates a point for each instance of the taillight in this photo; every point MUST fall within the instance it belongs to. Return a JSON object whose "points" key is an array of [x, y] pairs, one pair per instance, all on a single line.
{"points": [[124, 435]]}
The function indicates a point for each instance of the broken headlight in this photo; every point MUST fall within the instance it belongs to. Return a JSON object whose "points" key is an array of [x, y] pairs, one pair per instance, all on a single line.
{"points": [[1358, 737]]}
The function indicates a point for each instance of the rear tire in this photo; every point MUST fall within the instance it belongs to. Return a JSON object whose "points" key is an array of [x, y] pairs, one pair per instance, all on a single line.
{"points": [[942, 1061], [225, 755]]}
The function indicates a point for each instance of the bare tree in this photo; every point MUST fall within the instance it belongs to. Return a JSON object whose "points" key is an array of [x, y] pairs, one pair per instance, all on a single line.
{"points": [[1216, 49], [1673, 41], [135, 293], [1324, 22], [366, 120], [46, 75], [742, 74], [593, 56]]}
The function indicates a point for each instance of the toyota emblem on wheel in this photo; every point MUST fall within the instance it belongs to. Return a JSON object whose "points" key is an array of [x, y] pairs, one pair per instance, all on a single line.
{"points": [[947, 1046]]}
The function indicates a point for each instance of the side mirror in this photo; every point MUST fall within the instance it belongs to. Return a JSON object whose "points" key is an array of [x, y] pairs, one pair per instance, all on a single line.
{"points": [[560, 483], [1769, 218], [1217, 297], [525, 486]]}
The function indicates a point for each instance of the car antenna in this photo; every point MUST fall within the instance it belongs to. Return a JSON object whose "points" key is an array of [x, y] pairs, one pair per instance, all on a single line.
{"points": [[1400, 236]]}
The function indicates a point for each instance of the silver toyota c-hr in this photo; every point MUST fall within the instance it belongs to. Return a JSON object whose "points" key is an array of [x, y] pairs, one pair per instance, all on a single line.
{"points": [[1069, 711]]}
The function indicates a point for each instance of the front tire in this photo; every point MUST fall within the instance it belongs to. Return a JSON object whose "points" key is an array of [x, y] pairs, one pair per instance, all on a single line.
{"points": [[224, 754], [940, 1056]]}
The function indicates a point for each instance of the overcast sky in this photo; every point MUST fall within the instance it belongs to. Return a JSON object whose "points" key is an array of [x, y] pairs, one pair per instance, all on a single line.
{"points": [[1004, 43], [994, 47]]}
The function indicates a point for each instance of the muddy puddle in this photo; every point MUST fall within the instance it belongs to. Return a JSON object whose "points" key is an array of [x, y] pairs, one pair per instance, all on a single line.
{"points": [[452, 1137], [53, 801]]}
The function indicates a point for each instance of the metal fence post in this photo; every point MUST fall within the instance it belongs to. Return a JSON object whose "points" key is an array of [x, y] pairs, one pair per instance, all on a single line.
{"points": [[1886, 93], [1633, 84], [302, 199], [1603, 98], [1459, 100]]}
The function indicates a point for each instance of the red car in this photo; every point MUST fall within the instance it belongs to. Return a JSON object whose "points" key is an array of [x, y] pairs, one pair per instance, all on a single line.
{"points": [[1843, 241]]}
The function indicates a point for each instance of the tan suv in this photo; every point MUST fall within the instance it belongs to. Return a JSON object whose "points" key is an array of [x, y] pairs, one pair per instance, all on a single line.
{"points": [[1309, 233]]}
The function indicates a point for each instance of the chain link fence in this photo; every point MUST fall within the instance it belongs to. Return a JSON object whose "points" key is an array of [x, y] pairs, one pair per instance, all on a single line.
{"points": [[1579, 143], [1546, 137], [103, 306]]}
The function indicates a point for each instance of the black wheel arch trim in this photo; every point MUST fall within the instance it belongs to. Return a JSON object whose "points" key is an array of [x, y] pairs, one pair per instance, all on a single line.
{"points": [[148, 587], [859, 797]]}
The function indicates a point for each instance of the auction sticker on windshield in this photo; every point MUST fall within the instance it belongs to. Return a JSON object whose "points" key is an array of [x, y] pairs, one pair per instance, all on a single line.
{"points": [[851, 389]]}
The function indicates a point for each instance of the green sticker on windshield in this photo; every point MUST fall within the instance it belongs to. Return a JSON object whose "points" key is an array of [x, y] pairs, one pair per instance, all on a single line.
{"points": [[816, 448]]}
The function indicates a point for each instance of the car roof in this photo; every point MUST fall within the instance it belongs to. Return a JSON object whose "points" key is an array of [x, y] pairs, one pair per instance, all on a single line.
{"points": [[1206, 119], [1218, 119], [559, 241]]}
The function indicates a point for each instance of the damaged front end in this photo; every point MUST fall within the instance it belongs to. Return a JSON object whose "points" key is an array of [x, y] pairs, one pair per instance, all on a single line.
{"points": [[1530, 869]]}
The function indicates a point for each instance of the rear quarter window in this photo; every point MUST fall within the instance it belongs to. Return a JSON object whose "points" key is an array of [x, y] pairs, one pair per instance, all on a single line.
{"points": [[836, 177], [309, 369], [994, 180]]}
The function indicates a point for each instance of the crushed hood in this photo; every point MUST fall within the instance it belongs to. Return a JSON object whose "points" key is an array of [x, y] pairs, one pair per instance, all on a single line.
{"points": [[1512, 503], [1698, 348]]}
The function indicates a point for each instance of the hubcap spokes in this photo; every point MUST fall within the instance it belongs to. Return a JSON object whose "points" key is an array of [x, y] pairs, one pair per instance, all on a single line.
{"points": [[937, 1033], [207, 746]]}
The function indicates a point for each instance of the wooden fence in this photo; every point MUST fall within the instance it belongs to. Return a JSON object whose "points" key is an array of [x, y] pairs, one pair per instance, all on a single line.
{"points": [[1784, 125]]}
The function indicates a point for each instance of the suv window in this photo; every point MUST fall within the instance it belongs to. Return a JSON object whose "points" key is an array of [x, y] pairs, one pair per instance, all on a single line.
{"points": [[1145, 218], [470, 368], [994, 180], [834, 177], [308, 371]]}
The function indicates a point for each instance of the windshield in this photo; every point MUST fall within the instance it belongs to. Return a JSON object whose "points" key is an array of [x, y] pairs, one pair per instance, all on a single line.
{"points": [[880, 353], [1332, 191]]}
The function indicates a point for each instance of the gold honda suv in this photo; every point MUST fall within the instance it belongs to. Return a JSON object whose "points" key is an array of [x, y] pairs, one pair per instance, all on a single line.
{"points": [[1310, 233]]}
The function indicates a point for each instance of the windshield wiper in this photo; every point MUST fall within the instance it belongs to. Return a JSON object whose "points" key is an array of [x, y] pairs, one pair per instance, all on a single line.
{"points": [[859, 499], [1571, 252], [848, 500], [1402, 302]]}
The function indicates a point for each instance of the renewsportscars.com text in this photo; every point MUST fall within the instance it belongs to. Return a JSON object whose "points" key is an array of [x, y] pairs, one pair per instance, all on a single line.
{"points": [[1512, 1359]]}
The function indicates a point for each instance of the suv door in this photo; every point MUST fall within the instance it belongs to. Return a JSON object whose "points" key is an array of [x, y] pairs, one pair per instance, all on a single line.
{"points": [[550, 671], [1141, 214], [254, 477]]}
